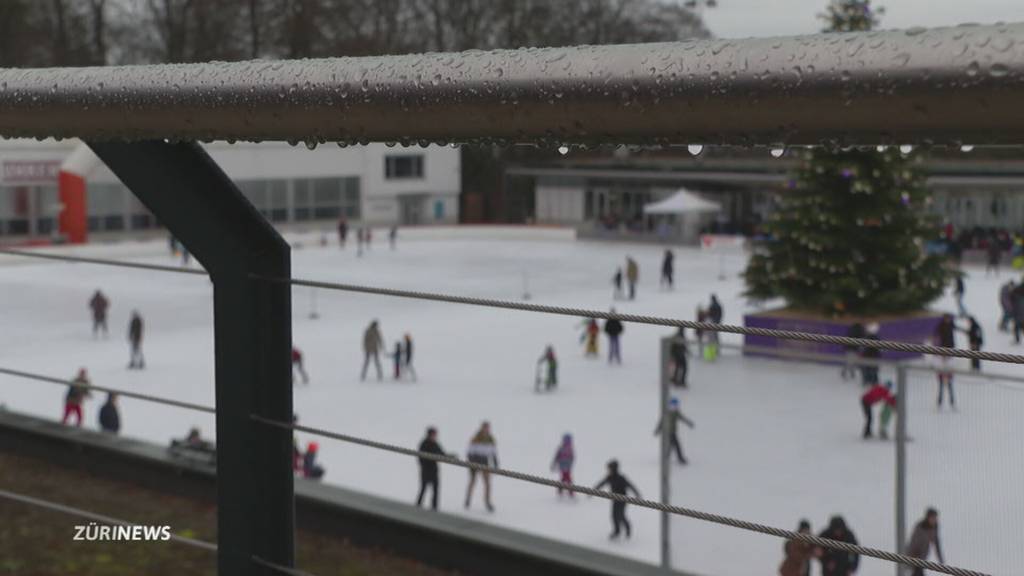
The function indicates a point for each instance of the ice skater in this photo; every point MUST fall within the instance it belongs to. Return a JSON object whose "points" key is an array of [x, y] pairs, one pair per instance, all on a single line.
{"points": [[393, 236], [591, 331], [944, 337], [429, 477], [702, 316], [342, 232], [618, 484], [78, 391], [298, 365], [482, 451], [674, 417], [99, 304], [667, 269], [360, 240], [877, 393], [550, 378], [849, 371], [888, 407], [407, 360], [1017, 298], [995, 254], [617, 283], [1006, 305], [614, 329], [715, 314], [975, 339], [924, 538], [137, 362], [565, 456], [680, 354], [838, 562], [798, 554], [396, 357], [958, 293], [871, 354], [310, 468], [632, 276], [110, 418], [373, 343]]}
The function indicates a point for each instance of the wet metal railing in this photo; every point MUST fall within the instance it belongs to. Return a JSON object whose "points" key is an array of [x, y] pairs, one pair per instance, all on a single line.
{"points": [[941, 86]]}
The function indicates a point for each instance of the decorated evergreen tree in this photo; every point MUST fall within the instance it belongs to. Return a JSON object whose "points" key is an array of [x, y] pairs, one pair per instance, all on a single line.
{"points": [[848, 234]]}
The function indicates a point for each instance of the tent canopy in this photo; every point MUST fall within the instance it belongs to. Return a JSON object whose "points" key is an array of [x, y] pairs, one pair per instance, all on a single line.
{"points": [[682, 202]]}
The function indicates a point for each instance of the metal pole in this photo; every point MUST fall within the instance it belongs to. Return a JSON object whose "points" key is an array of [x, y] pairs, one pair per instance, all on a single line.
{"points": [[201, 207], [901, 463], [665, 470], [941, 86]]}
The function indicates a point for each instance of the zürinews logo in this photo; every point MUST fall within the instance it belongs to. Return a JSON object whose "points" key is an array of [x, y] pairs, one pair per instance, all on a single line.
{"points": [[94, 532]]}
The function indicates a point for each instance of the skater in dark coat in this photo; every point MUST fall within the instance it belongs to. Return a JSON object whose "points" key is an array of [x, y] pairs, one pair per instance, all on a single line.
{"points": [[944, 337], [99, 304], [995, 253], [674, 417], [1006, 305], [429, 477], [373, 344], [798, 554], [715, 312], [342, 232], [849, 371], [393, 236], [618, 484], [958, 293], [667, 269], [837, 562], [135, 339], [310, 468], [924, 537], [110, 419], [396, 358], [1017, 299], [679, 353], [614, 329], [869, 372], [617, 282], [78, 391], [550, 379], [407, 360], [975, 339]]}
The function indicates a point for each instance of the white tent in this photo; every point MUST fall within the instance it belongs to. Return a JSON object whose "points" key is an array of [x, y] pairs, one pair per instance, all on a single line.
{"points": [[681, 215], [682, 202]]}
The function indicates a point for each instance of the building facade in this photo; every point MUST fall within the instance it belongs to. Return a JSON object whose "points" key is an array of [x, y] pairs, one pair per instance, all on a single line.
{"points": [[372, 185]]}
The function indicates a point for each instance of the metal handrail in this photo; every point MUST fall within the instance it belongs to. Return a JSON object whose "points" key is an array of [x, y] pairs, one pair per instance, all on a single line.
{"points": [[945, 85]]}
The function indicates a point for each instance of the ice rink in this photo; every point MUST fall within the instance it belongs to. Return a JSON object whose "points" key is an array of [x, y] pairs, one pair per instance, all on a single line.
{"points": [[774, 441]]}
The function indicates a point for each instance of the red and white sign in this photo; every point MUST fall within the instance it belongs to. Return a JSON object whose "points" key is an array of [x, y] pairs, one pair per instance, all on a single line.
{"points": [[31, 171]]}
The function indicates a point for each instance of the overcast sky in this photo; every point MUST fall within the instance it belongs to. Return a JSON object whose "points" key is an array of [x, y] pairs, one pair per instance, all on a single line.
{"points": [[746, 18]]}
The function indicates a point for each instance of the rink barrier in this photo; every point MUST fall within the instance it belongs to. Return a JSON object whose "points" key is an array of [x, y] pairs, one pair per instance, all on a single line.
{"points": [[447, 542], [578, 312], [880, 87], [636, 501]]}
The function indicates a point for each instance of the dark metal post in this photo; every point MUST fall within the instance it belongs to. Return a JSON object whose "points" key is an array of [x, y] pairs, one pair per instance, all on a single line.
{"points": [[901, 463], [200, 205], [666, 520]]}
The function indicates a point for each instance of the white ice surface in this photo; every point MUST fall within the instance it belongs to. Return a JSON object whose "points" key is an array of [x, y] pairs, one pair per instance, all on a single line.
{"points": [[775, 441]]}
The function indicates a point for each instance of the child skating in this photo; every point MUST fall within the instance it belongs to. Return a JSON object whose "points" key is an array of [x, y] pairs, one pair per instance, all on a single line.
{"points": [[550, 378], [591, 331], [565, 456]]}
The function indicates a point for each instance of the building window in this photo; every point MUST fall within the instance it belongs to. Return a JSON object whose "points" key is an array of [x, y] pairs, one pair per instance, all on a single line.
{"points": [[326, 198], [403, 166]]}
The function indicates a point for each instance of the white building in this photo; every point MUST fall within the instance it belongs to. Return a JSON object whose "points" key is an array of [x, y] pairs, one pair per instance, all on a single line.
{"points": [[373, 184]]}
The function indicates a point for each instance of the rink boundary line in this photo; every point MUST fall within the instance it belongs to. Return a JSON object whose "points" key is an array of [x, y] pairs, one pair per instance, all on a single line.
{"points": [[569, 311], [72, 511], [119, 392], [636, 501], [657, 321]]}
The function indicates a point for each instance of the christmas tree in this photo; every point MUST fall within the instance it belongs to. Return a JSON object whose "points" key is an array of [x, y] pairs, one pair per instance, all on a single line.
{"points": [[848, 234]]}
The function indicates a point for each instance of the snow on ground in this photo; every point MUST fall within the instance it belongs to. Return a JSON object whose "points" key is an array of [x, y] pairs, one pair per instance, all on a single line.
{"points": [[775, 441]]}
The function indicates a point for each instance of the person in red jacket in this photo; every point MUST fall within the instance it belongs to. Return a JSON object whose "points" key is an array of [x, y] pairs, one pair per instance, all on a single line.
{"points": [[877, 393], [297, 364]]}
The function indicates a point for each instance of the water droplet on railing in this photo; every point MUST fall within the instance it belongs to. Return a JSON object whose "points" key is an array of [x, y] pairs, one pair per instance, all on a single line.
{"points": [[563, 150], [777, 152], [695, 149], [966, 148], [972, 69], [998, 70], [906, 148]]}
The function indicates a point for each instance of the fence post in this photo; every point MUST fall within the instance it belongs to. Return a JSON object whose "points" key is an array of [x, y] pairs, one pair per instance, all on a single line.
{"points": [[201, 206], [666, 547], [901, 463]]}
